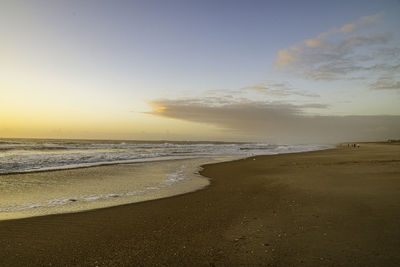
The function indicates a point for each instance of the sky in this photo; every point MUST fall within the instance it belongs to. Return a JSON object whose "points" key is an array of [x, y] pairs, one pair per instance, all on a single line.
{"points": [[269, 71]]}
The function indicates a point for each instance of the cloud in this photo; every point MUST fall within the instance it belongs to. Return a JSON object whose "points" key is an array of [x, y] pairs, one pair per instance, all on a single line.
{"points": [[277, 89], [347, 28], [314, 105], [363, 40], [222, 91], [286, 57], [315, 43], [265, 90], [278, 122], [365, 21], [386, 83], [353, 50], [370, 19]]}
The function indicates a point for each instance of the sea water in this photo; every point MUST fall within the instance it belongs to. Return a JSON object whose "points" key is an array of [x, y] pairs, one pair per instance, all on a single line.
{"points": [[40, 177]]}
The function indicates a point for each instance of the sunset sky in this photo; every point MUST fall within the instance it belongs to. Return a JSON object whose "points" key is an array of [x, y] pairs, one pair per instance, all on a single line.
{"points": [[273, 71]]}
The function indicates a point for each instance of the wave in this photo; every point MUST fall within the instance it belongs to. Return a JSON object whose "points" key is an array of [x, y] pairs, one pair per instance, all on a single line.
{"points": [[39, 155], [170, 180]]}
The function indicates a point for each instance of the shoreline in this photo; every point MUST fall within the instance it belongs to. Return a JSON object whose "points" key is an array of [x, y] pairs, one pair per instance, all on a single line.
{"points": [[115, 185], [76, 203], [93, 166], [198, 171], [150, 159], [311, 208]]}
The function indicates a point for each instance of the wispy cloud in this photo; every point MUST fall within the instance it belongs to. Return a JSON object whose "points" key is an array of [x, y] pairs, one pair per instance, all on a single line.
{"points": [[386, 83], [353, 50], [277, 89], [266, 90]]}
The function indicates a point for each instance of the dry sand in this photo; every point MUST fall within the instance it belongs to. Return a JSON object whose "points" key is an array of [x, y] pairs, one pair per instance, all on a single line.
{"points": [[338, 207]]}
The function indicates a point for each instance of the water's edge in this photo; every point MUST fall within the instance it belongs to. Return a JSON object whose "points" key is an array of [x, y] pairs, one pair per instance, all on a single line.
{"points": [[197, 171]]}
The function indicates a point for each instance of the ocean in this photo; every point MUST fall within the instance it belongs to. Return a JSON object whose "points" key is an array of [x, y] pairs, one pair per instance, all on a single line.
{"points": [[43, 176]]}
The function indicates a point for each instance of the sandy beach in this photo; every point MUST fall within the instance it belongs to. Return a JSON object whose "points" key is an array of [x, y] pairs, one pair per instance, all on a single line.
{"points": [[338, 207]]}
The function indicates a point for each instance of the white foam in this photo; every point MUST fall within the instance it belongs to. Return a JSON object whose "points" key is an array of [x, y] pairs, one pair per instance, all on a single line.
{"points": [[171, 177], [34, 155]]}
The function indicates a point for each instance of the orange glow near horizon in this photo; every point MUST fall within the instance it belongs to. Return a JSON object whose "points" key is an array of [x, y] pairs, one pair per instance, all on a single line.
{"points": [[34, 121]]}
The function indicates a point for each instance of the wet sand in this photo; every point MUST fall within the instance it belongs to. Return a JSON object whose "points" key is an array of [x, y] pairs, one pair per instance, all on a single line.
{"points": [[339, 207]]}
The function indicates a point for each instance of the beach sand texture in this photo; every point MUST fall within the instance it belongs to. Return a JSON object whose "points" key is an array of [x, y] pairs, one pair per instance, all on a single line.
{"points": [[338, 207]]}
